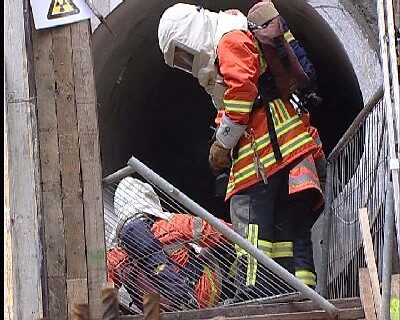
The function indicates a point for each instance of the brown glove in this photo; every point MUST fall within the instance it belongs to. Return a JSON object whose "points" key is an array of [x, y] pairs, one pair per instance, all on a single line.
{"points": [[219, 157]]}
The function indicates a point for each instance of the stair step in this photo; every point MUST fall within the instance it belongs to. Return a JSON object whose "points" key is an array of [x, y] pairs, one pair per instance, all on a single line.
{"points": [[349, 309]]}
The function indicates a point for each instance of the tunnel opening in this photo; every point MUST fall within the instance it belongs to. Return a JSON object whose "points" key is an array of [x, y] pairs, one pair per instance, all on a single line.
{"points": [[163, 117]]}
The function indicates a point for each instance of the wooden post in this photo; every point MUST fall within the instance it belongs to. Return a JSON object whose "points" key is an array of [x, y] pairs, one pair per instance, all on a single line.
{"points": [[22, 214], [370, 258], [71, 169], [366, 296]]}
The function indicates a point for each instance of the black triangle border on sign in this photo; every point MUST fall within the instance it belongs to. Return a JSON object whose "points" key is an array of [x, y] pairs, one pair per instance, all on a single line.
{"points": [[60, 15]]}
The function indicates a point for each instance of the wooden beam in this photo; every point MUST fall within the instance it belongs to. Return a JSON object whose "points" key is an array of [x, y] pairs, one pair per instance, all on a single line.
{"points": [[258, 309], [71, 169], [54, 239], [370, 258], [23, 254], [366, 295], [89, 146]]}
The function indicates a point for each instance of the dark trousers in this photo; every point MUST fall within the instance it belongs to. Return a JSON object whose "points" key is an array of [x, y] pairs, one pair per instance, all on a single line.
{"points": [[261, 215], [304, 218]]}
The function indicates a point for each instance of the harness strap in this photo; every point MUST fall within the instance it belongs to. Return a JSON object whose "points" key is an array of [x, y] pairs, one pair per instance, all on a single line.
{"points": [[272, 134]]}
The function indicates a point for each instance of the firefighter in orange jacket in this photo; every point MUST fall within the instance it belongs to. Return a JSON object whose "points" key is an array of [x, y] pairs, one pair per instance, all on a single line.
{"points": [[306, 197], [167, 246], [220, 51]]}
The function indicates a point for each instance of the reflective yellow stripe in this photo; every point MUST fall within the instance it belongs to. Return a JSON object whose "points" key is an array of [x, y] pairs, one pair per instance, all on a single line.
{"points": [[269, 159], [274, 111], [293, 144], [252, 237], [289, 36], [264, 140], [283, 109], [276, 249], [306, 276], [233, 269], [214, 288], [238, 106]]}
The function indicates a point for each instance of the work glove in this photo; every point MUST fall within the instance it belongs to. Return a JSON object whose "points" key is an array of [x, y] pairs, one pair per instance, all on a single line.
{"points": [[219, 158]]}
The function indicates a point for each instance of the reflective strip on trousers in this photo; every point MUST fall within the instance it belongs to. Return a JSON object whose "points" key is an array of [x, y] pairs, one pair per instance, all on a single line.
{"points": [[272, 250], [276, 250], [307, 277], [252, 237]]}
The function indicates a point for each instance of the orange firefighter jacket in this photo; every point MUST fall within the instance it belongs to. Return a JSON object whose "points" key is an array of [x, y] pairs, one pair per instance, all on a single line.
{"points": [[307, 174], [240, 64], [184, 228]]}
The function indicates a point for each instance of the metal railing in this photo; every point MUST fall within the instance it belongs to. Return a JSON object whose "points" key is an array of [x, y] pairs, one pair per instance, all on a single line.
{"points": [[363, 171], [358, 176], [221, 244]]}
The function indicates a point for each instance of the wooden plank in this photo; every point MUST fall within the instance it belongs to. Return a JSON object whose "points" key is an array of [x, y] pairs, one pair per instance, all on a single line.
{"points": [[22, 203], [370, 257], [259, 309], [54, 239], [353, 313], [57, 296], [70, 168], [395, 286], [8, 256], [76, 293], [366, 295], [88, 131]]}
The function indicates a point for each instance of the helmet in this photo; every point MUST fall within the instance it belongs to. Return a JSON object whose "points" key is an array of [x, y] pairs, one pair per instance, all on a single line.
{"points": [[262, 12], [188, 36], [133, 198]]}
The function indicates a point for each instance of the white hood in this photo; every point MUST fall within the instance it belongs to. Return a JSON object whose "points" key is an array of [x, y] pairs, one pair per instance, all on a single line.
{"points": [[133, 197], [200, 30]]}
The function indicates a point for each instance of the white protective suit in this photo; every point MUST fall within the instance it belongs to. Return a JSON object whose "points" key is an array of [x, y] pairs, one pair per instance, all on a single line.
{"points": [[188, 45]]}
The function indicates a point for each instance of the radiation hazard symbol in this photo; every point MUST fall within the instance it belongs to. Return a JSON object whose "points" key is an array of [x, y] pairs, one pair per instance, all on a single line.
{"points": [[62, 8]]}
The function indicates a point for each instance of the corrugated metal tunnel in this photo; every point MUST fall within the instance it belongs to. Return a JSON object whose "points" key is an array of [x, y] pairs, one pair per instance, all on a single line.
{"points": [[163, 117]]}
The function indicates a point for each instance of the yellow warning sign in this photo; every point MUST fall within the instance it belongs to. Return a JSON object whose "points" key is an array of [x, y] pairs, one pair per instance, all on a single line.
{"points": [[61, 8]]}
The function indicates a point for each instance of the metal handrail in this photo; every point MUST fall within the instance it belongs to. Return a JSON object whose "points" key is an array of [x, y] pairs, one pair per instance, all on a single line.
{"points": [[199, 211], [358, 121]]}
